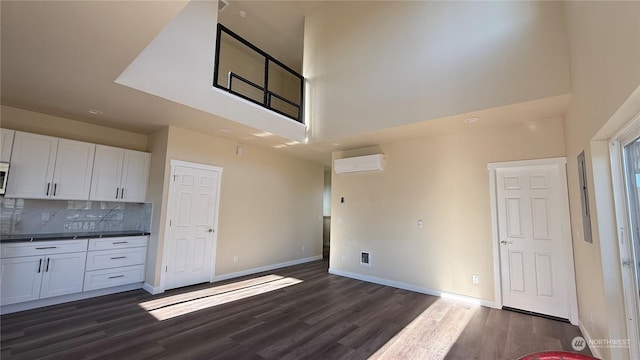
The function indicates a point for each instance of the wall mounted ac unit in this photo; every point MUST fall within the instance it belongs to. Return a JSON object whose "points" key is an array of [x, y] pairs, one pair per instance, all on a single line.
{"points": [[359, 164]]}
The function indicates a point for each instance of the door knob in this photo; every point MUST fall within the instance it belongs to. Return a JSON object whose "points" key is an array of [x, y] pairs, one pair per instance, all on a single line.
{"points": [[505, 242], [210, 230]]}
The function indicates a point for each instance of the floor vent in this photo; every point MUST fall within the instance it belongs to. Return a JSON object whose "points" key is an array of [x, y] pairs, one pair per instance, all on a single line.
{"points": [[365, 258]]}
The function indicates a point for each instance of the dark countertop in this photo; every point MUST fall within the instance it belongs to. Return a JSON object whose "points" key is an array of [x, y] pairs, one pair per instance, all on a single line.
{"points": [[68, 236]]}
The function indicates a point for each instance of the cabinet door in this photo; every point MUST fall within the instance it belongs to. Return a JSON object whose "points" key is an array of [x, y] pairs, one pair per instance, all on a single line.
{"points": [[107, 173], [135, 175], [6, 143], [32, 163], [20, 279], [62, 274], [74, 165]]}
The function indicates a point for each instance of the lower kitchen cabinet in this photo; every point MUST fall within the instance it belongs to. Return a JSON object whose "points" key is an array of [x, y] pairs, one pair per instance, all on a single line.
{"points": [[21, 279], [62, 274], [100, 279], [42, 273], [27, 278], [116, 261]]}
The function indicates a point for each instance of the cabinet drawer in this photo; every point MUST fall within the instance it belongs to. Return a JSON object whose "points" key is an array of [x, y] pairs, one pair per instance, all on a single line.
{"points": [[8, 250], [117, 242], [106, 259], [100, 279]]}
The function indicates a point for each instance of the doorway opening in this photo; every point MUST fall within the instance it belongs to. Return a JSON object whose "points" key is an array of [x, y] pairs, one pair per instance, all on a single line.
{"points": [[326, 214]]}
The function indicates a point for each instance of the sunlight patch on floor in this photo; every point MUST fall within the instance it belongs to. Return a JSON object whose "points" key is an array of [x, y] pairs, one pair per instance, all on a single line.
{"points": [[431, 334], [181, 304]]}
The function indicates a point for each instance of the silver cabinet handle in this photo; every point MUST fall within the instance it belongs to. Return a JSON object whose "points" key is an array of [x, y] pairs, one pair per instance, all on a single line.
{"points": [[55, 188], [120, 242], [40, 266], [122, 193], [46, 247], [118, 257], [115, 277], [48, 187], [47, 269], [117, 190]]}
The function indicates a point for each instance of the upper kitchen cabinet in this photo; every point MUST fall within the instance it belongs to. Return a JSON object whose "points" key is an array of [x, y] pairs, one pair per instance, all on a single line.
{"points": [[120, 175], [45, 167], [6, 143]]}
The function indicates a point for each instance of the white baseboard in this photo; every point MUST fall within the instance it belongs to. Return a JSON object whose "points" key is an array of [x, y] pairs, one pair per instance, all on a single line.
{"points": [[264, 268], [7, 309], [152, 290], [594, 351], [415, 288]]}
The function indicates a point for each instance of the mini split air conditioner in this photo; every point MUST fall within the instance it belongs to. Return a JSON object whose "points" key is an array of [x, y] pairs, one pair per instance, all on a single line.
{"points": [[359, 164]]}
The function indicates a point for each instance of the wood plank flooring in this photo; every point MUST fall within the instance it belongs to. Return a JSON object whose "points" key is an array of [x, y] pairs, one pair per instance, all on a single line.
{"points": [[300, 313]]}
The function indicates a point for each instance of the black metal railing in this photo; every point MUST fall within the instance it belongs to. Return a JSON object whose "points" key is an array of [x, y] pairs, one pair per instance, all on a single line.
{"points": [[254, 75]]}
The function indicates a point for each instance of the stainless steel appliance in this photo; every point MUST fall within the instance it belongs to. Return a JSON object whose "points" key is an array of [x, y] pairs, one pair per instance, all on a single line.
{"points": [[4, 174]]}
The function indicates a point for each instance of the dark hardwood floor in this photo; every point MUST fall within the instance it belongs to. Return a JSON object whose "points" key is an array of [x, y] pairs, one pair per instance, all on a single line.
{"points": [[322, 317]]}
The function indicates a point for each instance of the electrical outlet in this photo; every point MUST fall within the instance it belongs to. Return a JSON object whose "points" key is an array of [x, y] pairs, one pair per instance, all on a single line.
{"points": [[420, 224], [475, 279], [235, 258]]}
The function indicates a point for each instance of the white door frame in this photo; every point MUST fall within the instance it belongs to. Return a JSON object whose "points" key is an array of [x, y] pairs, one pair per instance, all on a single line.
{"points": [[167, 227], [629, 284], [567, 246]]}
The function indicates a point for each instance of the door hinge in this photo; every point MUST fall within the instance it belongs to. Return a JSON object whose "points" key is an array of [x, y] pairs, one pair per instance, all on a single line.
{"points": [[175, 177], [169, 222], [166, 269], [627, 262]]}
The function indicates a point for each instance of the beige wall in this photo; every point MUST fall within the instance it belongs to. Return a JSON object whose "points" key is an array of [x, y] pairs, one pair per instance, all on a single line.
{"points": [[371, 65], [444, 181], [270, 204], [39, 123], [604, 40]]}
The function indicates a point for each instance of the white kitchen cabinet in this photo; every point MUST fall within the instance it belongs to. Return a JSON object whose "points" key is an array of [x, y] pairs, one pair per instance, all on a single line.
{"points": [[45, 167], [135, 176], [63, 274], [72, 175], [115, 261], [32, 164], [119, 175], [31, 271], [6, 143], [20, 279]]}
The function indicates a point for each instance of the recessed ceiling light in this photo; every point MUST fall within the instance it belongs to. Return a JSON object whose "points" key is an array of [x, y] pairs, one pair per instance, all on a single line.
{"points": [[335, 144], [471, 120], [95, 112], [243, 14], [225, 130], [292, 143], [280, 146]]}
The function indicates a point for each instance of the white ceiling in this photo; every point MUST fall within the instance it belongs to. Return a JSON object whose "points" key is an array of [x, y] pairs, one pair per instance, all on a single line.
{"points": [[62, 57]]}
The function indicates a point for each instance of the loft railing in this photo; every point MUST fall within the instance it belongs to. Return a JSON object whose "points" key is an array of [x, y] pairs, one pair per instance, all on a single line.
{"points": [[244, 70]]}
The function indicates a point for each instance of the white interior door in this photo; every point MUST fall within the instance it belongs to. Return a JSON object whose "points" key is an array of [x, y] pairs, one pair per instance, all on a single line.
{"points": [[530, 215], [191, 248]]}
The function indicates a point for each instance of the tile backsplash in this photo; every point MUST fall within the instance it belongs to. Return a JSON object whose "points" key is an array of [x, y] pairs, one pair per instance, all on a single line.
{"points": [[25, 216]]}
